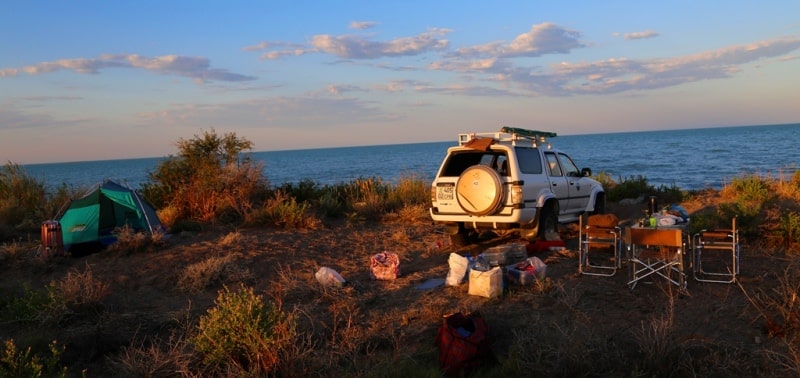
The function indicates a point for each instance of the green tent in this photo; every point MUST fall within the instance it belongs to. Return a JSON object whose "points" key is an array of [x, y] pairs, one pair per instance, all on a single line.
{"points": [[93, 217]]}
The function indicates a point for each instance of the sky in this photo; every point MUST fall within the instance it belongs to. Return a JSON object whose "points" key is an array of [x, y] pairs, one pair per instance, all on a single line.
{"points": [[98, 80]]}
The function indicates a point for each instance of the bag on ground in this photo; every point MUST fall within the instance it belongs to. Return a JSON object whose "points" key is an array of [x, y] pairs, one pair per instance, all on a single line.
{"points": [[458, 270], [463, 342], [329, 277], [384, 266], [487, 284]]}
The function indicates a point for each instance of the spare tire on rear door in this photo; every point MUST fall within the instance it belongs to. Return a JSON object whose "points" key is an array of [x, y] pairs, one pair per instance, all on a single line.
{"points": [[479, 190]]}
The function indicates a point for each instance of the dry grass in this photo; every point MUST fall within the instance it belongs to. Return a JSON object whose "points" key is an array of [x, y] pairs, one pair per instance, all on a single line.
{"points": [[81, 288], [564, 325], [213, 271]]}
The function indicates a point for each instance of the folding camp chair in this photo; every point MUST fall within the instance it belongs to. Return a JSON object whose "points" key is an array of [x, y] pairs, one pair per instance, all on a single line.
{"points": [[657, 252], [599, 236], [719, 249]]}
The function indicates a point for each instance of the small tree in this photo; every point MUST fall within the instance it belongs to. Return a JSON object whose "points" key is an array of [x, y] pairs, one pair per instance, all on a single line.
{"points": [[209, 179]]}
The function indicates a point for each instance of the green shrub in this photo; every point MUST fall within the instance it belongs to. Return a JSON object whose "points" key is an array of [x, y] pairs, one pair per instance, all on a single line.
{"points": [[789, 230], [283, 211], [750, 194], [208, 181], [632, 187], [21, 199], [306, 190], [239, 332], [76, 292], [24, 363]]}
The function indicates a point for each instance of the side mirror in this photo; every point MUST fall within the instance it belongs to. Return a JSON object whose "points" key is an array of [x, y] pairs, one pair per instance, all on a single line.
{"points": [[586, 172]]}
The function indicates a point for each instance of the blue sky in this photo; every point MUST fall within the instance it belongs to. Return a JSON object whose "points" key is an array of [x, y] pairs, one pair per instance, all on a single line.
{"points": [[94, 80]]}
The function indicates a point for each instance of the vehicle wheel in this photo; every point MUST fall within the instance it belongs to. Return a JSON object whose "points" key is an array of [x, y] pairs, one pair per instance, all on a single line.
{"points": [[548, 222], [479, 190], [600, 204]]}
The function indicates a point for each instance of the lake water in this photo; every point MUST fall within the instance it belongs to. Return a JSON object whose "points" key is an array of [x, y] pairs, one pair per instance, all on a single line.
{"points": [[688, 159]]}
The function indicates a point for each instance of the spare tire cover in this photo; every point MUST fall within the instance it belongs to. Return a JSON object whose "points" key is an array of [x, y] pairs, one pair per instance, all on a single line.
{"points": [[479, 190]]}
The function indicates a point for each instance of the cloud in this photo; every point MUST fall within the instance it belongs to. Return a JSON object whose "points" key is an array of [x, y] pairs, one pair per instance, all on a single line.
{"points": [[362, 25], [358, 47], [640, 35], [618, 75], [467, 90], [197, 68], [342, 88], [544, 38], [302, 112]]}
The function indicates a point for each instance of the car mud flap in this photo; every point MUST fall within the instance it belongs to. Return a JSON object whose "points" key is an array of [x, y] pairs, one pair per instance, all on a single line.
{"points": [[530, 230]]}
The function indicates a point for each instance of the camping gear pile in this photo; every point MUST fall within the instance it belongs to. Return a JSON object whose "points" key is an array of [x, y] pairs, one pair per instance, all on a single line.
{"points": [[489, 271]]}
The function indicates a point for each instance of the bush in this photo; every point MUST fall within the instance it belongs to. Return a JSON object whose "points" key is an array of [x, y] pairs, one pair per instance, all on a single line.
{"points": [[21, 200], [76, 292], [207, 181], [238, 333], [23, 363], [283, 211], [632, 187], [213, 270]]}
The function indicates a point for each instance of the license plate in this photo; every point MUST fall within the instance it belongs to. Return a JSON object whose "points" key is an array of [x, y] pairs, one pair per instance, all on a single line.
{"points": [[445, 193]]}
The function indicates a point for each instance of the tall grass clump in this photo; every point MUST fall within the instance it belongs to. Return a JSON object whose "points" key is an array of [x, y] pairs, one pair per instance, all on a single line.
{"points": [[209, 180], [16, 362], [745, 198], [77, 292], [242, 334], [283, 211], [410, 190], [21, 199], [638, 187]]}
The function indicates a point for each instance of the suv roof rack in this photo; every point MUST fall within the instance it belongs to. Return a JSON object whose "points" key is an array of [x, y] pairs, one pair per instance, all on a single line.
{"points": [[509, 134]]}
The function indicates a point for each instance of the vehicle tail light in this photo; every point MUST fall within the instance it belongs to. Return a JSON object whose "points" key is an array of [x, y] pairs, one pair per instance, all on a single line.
{"points": [[433, 194], [516, 195]]}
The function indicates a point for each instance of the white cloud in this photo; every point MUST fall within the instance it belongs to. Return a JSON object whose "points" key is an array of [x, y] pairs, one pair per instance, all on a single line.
{"points": [[197, 68], [362, 24], [618, 75], [544, 38], [358, 47], [640, 35]]}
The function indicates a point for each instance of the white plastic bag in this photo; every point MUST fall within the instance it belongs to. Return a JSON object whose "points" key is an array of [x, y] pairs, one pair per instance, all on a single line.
{"points": [[487, 284], [329, 277], [458, 269]]}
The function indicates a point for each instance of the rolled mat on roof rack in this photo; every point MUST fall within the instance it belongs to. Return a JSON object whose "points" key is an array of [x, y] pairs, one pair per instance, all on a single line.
{"points": [[528, 133]]}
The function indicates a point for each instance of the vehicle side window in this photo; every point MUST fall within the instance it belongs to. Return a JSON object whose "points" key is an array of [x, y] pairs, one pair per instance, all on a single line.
{"points": [[569, 166], [529, 160], [552, 164], [501, 165]]}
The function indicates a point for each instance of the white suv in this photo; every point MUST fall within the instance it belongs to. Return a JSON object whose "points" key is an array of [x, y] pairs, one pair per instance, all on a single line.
{"points": [[512, 180]]}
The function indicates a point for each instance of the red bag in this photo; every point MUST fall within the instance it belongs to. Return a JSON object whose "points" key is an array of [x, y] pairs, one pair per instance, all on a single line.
{"points": [[463, 342]]}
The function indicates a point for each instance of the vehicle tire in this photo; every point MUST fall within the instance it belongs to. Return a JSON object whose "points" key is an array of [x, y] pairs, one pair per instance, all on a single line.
{"points": [[599, 204], [548, 221], [479, 190]]}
